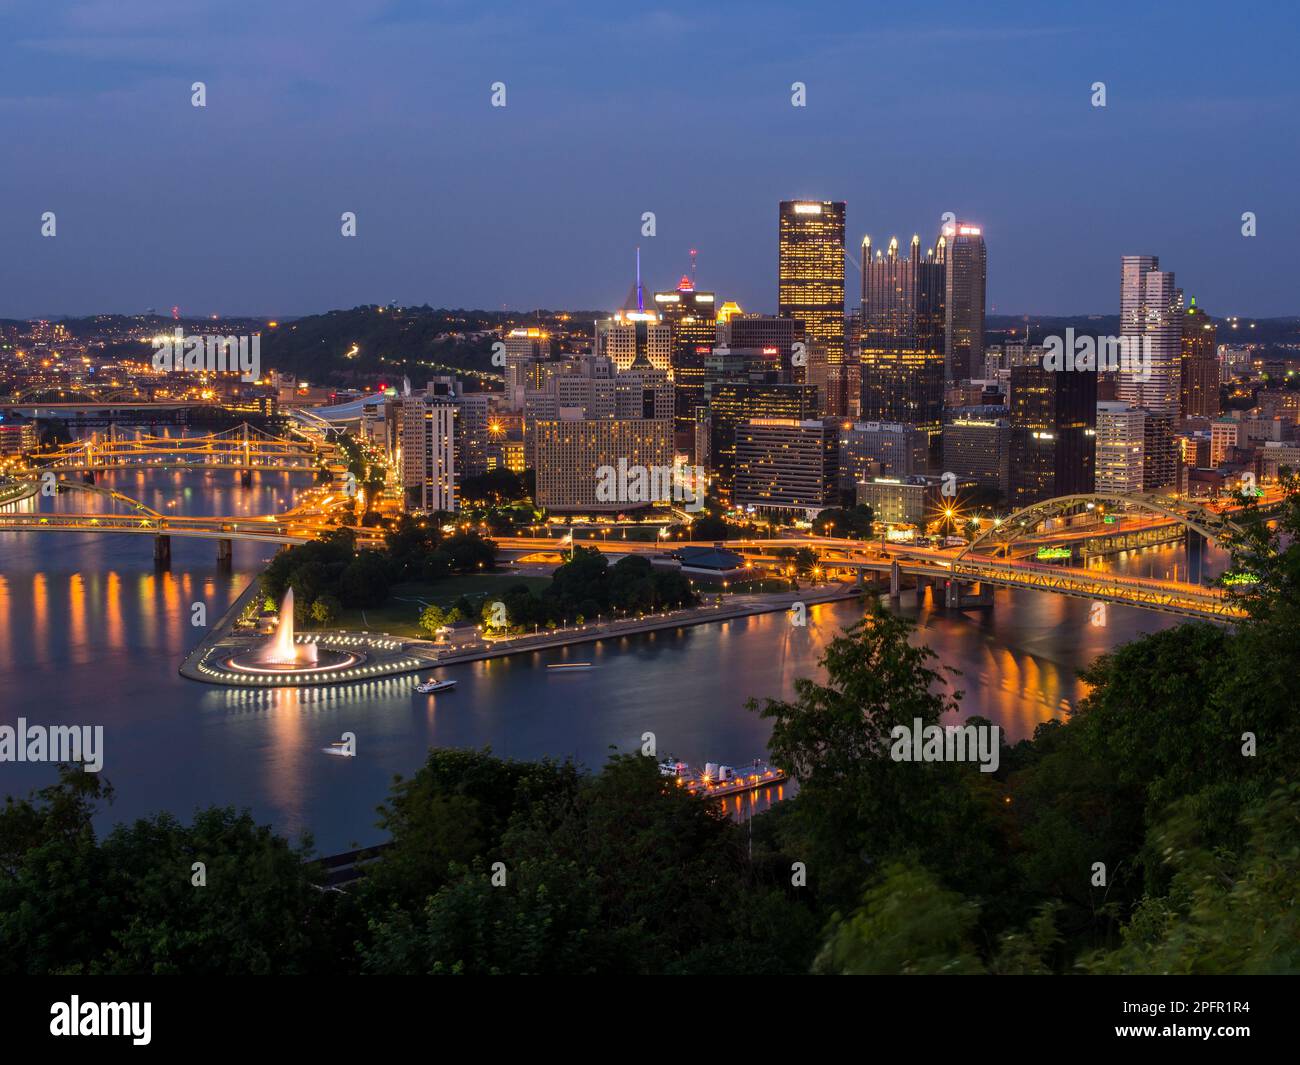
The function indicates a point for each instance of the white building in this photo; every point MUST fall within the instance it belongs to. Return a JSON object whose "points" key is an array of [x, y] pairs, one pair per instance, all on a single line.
{"points": [[1121, 436], [429, 452]]}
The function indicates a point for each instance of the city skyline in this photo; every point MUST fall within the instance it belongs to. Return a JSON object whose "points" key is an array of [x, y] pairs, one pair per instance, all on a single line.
{"points": [[432, 170], [548, 489]]}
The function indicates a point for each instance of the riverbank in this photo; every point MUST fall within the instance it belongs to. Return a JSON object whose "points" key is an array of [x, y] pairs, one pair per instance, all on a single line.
{"points": [[431, 654], [743, 606]]}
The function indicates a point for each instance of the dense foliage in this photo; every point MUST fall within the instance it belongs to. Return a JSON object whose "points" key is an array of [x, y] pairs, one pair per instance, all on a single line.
{"points": [[332, 574], [587, 587]]}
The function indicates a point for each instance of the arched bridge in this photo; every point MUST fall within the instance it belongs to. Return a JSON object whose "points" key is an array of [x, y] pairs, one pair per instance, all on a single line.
{"points": [[297, 526], [241, 448], [1211, 523]]}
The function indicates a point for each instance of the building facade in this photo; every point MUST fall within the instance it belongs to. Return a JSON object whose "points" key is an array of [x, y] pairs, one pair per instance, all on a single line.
{"points": [[428, 423], [977, 447], [810, 288], [1199, 366], [903, 323], [784, 464], [1121, 442], [570, 453], [1151, 322], [966, 274], [1053, 433]]}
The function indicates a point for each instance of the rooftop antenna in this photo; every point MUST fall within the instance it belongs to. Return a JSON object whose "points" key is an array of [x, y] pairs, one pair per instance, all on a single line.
{"points": [[640, 302], [693, 254]]}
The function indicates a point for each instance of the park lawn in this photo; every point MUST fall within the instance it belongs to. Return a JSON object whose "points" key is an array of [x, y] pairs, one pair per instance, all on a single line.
{"points": [[400, 614]]}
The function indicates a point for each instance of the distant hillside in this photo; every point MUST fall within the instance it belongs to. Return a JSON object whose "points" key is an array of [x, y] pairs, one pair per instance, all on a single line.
{"points": [[417, 341], [1281, 332]]}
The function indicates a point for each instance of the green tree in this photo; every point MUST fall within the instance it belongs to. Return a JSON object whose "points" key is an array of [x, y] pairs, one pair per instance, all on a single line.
{"points": [[857, 806], [326, 609], [434, 617], [908, 925], [1227, 912]]}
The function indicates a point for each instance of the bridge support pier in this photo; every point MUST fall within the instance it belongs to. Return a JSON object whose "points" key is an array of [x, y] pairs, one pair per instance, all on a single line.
{"points": [[1195, 556], [162, 550], [957, 595], [895, 580], [224, 552], [88, 477], [246, 478]]}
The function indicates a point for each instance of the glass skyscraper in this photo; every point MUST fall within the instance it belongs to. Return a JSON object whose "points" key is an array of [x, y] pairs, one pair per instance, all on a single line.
{"points": [[903, 324], [810, 287]]}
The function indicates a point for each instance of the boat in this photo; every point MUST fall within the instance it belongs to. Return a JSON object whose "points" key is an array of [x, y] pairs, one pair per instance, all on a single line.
{"points": [[341, 748], [431, 685], [718, 780], [570, 666]]}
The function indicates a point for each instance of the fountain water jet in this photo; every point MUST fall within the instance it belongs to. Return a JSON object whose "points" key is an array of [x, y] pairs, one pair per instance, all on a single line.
{"points": [[282, 651]]}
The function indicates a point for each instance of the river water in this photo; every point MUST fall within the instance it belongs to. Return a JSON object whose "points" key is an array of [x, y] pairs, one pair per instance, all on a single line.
{"points": [[92, 634]]}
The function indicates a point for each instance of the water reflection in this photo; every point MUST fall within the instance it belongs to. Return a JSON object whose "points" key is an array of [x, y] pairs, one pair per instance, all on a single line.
{"points": [[91, 633]]}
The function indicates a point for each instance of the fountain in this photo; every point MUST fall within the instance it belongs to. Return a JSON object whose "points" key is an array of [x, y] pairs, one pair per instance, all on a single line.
{"points": [[282, 651], [283, 656]]}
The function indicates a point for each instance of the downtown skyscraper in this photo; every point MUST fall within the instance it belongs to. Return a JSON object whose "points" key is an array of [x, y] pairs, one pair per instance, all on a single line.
{"points": [[1151, 323], [1199, 385], [965, 259], [810, 288], [1053, 433], [902, 340], [692, 317]]}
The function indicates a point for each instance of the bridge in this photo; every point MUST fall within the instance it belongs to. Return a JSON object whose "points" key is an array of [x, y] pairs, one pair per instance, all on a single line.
{"points": [[1210, 521], [966, 575], [985, 563], [242, 448], [308, 520]]}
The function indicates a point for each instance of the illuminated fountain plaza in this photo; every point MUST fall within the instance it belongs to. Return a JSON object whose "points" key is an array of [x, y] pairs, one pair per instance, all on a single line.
{"points": [[288, 658]]}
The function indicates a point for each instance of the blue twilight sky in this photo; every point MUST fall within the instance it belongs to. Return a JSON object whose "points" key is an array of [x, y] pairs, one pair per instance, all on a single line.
{"points": [[383, 108]]}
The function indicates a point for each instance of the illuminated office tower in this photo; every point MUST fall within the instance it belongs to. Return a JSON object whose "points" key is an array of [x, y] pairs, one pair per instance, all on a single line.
{"points": [[881, 449], [631, 333], [977, 447], [732, 403], [786, 465], [966, 266], [1053, 434], [1151, 324], [691, 314], [773, 335], [1121, 442], [429, 451], [902, 338], [810, 288], [571, 451], [1199, 380], [692, 317], [524, 348], [474, 437]]}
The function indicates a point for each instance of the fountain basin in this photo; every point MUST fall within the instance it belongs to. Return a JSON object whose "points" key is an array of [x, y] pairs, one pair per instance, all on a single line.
{"points": [[326, 661]]}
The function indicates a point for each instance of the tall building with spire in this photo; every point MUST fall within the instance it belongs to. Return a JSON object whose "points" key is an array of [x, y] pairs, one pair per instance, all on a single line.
{"points": [[810, 288], [692, 317], [961, 249], [634, 330], [902, 323]]}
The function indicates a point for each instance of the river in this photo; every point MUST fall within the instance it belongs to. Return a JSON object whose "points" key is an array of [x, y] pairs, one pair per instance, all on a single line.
{"points": [[92, 634]]}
